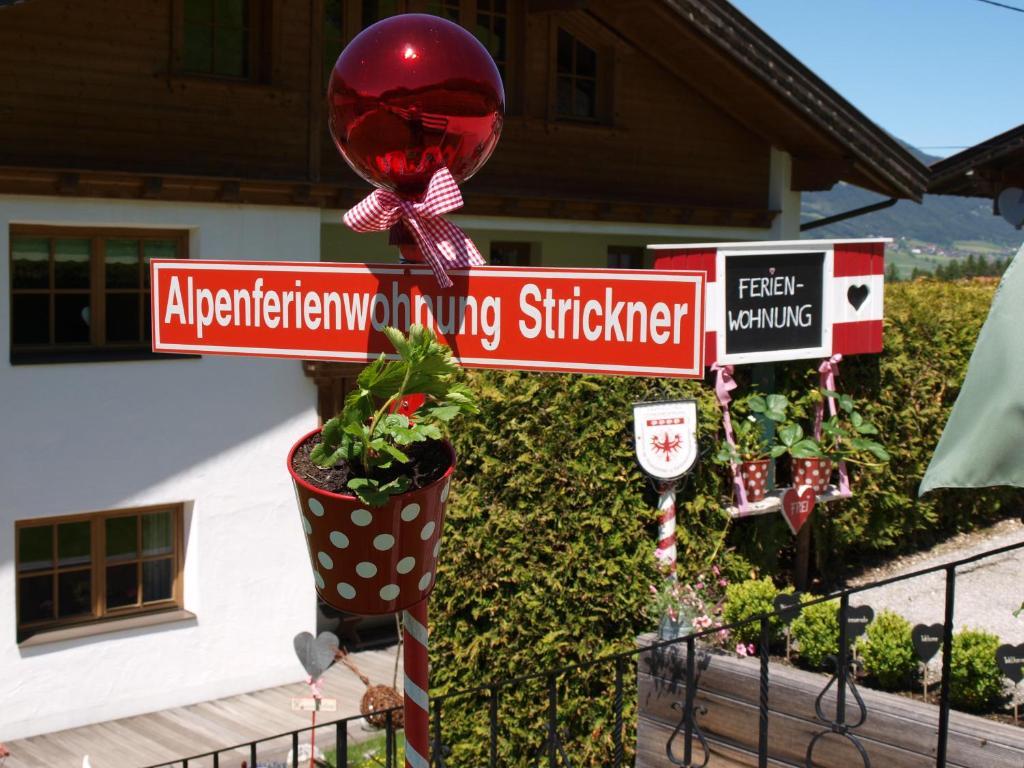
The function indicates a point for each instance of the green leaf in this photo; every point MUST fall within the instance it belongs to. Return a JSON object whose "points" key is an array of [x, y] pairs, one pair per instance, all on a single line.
{"points": [[777, 407], [368, 491], [757, 404], [444, 413], [398, 341], [790, 434], [777, 450], [806, 449]]}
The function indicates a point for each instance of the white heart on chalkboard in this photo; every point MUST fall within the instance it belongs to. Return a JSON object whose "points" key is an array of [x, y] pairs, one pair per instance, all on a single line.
{"points": [[1011, 205]]}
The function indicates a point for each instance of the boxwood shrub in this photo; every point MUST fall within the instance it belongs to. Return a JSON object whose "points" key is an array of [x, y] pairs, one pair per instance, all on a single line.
{"points": [[887, 650], [975, 683]]}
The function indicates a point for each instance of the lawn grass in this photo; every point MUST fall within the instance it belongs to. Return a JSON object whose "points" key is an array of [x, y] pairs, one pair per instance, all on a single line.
{"points": [[370, 753]]}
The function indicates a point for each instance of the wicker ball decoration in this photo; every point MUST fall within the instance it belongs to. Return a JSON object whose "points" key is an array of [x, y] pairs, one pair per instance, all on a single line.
{"points": [[375, 703]]}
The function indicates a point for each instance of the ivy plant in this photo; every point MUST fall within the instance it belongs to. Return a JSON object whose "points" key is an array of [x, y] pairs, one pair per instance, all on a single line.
{"points": [[372, 434]]}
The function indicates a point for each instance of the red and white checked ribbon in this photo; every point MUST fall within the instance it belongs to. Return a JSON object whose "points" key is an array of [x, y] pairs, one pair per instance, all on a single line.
{"points": [[442, 244]]}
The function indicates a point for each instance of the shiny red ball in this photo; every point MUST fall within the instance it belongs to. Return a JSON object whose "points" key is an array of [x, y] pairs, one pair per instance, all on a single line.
{"points": [[413, 93]]}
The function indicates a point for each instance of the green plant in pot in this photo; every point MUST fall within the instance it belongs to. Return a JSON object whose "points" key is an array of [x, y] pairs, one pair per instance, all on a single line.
{"points": [[849, 436], [372, 484], [754, 446]]}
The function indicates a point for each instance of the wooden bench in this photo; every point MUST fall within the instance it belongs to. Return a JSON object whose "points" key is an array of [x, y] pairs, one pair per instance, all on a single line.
{"points": [[899, 732]]}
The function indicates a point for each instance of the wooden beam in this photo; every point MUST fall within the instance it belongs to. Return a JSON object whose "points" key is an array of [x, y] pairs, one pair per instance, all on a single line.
{"points": [[555, 6]]}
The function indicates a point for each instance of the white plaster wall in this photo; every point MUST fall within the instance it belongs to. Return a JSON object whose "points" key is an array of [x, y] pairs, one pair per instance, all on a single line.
{"points": [[211, 432]]}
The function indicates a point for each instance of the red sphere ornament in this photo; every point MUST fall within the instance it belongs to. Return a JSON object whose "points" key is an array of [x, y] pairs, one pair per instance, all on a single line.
{"points": [[411, 94]]}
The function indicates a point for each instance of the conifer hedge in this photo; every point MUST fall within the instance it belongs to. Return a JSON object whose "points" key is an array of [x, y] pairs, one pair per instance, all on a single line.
{"points": [[547, 553]]}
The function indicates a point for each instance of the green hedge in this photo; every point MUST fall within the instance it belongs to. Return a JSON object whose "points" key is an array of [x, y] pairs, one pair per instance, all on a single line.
{"points": [[547, 554]]}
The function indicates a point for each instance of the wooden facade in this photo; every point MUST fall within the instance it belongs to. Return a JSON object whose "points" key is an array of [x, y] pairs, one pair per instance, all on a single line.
{"points": [[96, 100]]}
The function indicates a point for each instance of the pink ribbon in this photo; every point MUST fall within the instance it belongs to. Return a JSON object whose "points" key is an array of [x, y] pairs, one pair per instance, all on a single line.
{"points": [[316, 687], [724, 384], [828, 372], [444, 245]]}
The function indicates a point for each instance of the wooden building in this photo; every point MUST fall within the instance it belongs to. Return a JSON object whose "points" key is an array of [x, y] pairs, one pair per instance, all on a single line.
{"points": [[150, 556], [984, 170]]}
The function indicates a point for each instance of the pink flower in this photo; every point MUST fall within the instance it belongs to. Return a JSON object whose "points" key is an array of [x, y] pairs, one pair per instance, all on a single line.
{"points": [[702, 622], [700, 585], [723, 582], [654, 589], [741, 649], [751, 649], [715, 570]]}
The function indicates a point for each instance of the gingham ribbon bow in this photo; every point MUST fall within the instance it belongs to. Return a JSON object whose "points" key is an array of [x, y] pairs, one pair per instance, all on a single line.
{"points": [[443, 244]]}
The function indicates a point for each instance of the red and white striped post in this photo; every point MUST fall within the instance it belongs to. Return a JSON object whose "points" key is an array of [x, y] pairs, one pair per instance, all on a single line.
{"points": [[666, 551], [416, 687]]}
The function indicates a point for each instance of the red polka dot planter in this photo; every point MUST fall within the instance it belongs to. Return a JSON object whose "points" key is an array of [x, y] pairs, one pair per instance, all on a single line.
{"points": [[754, 476], [373, 560], [814, 473]]}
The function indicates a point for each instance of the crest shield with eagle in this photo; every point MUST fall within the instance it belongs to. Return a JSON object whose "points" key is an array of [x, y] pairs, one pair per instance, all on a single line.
{"points": [[666, 437]]}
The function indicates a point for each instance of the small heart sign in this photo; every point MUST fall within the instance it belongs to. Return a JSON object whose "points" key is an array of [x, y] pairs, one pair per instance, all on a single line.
{"points": [[1010, 659], [927, 640], [788, 606], [857, 295], [1011, 205], [316, 654], [797, 507], [857, 620]]}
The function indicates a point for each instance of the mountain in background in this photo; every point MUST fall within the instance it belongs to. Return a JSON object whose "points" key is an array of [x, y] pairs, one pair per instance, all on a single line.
{"points": [[926, 235]]}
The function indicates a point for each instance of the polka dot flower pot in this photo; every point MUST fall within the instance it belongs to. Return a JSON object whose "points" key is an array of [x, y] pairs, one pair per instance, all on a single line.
{"points": [[373, 560], [754, 475], [814, 473]]}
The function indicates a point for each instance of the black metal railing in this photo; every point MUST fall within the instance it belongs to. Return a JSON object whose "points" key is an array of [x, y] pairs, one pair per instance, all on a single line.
{"points": [[687, 746]]}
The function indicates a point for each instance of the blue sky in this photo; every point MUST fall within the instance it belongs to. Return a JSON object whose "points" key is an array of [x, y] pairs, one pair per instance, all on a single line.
{"points": [[932, 72]]}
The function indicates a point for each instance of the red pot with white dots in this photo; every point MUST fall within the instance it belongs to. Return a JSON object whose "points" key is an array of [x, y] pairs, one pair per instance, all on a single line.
{"points": [[754, 476], [373, 560], [814, 473]]}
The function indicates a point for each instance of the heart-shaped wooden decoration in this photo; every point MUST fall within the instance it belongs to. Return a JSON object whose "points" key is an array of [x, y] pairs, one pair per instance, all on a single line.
{"points": [[797, 507], [788, 606], [927, 640], [1011, 205], [857, 295], [1010, 659], [857, 620], [316, 654]]}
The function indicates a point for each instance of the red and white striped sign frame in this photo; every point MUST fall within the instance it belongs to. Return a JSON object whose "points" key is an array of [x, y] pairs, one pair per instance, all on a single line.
{"points": [[852, 301]]}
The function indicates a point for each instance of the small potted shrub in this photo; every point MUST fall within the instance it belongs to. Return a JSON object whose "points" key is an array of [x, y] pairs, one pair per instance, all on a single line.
{"points": [[754, 450], [887, 650], [373, 482], [846, 437]]}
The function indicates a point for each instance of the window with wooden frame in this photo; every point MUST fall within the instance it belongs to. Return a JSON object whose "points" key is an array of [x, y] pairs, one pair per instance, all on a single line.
{"points": [[577, 85], [222, 38], [80, 293], [511, 254], [99, 566], [491, 29], [626, 256]]}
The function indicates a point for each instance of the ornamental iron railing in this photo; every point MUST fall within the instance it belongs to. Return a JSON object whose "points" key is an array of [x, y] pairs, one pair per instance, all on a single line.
{"points": [[687, 745]]}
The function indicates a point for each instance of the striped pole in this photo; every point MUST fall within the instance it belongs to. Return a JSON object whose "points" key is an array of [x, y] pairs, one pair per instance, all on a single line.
{"points": [[417, 685], [666, 552]]}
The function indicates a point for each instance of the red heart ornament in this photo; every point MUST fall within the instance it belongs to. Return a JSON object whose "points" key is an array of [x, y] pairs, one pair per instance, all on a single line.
{"points": [[797, 507]]}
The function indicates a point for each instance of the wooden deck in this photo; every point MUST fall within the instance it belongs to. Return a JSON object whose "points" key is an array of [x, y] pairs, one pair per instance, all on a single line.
{"points": [[171, 734]]}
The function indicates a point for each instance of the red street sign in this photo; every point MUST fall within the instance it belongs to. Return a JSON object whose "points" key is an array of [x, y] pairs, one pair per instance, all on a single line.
{"points": [[609, 321]]}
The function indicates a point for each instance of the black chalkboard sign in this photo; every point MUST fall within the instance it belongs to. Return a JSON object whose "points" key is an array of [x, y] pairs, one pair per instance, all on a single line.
{"points": [[773, 301]]}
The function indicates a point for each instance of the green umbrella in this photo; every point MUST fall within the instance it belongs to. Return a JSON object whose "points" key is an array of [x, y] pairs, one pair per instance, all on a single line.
{"points": [[983, 439]]}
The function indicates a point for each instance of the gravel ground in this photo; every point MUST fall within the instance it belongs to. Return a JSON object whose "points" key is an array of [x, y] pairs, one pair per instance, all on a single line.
{"points": [[988, 591]]}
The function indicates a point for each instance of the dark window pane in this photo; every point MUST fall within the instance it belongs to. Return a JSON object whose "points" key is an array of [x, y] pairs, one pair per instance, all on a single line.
{"points": [[375, 10], [484, 35], [35, 599], [71, 318], [122, 263], [35, 548], [585, 99], [586, 60], [498, 6], [74, 543], [75, 594], [156, 533], [510, 254], [231, 13], [122, 537], [565, 44], [71, 263], [122, 317], [565, 95], [30, 321], [147, 320], [332, 17], [30, 257], [199, 10], [499, 39], [122, 585], [156, 580], [157, 249], [332, 50], [198, 55], [229, 56]]}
